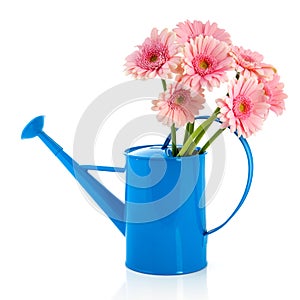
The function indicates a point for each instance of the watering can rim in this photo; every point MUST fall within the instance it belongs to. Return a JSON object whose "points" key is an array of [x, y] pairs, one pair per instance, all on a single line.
{"points": [[158, 153]]}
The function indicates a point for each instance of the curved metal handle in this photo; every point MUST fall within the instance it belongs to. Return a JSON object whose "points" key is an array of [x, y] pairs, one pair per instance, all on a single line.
{"points": [[247, 188], [249, 179]]}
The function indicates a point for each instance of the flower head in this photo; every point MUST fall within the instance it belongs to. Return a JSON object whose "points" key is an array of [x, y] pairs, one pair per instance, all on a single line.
{"points": [[206, 61], [245, 107], [250, 63], [156, 56], [274, 91], [190, 30], [178, 105]]}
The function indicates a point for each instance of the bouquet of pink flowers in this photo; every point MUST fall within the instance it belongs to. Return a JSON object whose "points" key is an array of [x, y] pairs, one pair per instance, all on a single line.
{"points": [[199, 56]]}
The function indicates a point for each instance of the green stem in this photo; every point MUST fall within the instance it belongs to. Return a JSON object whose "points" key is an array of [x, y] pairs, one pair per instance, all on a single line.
{"points": [[173, 138], [187, 132], [211, 140], [164, 84], [189, 129], [199, 137], [195, 137]]}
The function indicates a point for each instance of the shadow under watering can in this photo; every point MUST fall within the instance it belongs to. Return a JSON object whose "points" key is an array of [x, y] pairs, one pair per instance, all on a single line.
{"points": [[163, 218]]}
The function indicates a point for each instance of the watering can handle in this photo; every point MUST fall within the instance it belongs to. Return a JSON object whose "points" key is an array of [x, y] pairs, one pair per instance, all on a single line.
{"points": [[249, 179], [247, 187]]}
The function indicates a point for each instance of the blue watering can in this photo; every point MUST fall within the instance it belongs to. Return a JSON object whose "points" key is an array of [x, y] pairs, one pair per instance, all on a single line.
{"points": [[163, 218]]}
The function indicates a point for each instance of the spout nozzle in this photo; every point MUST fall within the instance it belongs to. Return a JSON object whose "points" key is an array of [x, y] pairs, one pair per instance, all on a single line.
{"points": [[33, 128]]}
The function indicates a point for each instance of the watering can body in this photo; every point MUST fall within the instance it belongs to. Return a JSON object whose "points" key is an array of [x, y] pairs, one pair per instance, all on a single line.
{"points": [[163, 218], [165, 212]]}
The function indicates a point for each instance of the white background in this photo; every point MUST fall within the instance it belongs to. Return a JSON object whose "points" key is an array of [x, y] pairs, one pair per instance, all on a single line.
{"points": [[56, 57]]}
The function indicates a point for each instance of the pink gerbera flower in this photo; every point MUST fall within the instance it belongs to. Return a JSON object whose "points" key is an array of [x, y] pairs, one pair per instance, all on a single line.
{"points": [[250, 63], [178, 105], [245, 107], [190, 30], [276, 96], [156, 56], [206, 61]]}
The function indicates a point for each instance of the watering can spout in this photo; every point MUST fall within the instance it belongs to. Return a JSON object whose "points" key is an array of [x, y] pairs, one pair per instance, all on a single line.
{"points": [[110, 204]]}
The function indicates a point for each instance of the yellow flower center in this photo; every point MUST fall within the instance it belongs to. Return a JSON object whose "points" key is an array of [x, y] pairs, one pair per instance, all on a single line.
{"points": [[242, 107], [153, 58], [203, 64], [179, 99]]}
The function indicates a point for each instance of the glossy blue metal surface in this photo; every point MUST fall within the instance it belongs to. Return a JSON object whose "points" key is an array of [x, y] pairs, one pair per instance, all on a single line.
{"points": [[163, 217], [165, 211], [109, 203]]}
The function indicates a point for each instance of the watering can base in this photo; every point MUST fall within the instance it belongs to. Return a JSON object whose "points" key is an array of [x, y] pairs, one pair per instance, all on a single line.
{"points": [[166, 273]]}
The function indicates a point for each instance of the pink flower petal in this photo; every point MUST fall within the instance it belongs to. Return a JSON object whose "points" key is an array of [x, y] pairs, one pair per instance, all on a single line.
{"points": [[245, 107], [178, 105]]}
